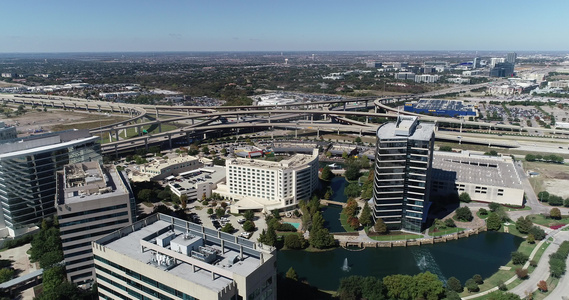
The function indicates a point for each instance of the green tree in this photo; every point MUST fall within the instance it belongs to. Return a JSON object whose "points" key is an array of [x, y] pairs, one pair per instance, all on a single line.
{"points": [[519, 258], [327, 174], [210, 211], [478, 278], [228, 228], [555, 200], [483, 212], [464, 214], [249, 226], [530, 239], [6, 274], [450, 223], [321, 238], [543, 196], [249, 215], [145, 195], [427, 286], [365, 217], [358, 140], [454, 284], [445, 148], [471, 285], [291, 274], [352, 190], [555, 213], [493, 222], [530, 157], [464, 197], [184, 201], [379, 226], [220, 212], [345, 155], [494, 206], [523, 225], [399, 286], [294, 241], [352, 172], [537, 232]]}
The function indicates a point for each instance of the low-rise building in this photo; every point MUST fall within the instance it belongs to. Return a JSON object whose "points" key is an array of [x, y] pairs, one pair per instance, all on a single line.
{"points": [[427, 78], [7, 132], [160, 168], [484, 178], [197, 183], [162, 257], [92, 201], [405, 76]]}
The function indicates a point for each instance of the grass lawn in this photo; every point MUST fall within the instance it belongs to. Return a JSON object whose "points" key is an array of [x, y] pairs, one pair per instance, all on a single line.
{"points": [[516, 208], [541, 220], [395, 237], [551, 284], [512, 230], [434, 232]]}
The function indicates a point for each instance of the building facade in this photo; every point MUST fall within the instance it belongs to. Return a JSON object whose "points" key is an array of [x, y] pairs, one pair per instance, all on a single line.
{"points": [[404, 154], [272, 185], [160, 168], [28, 169], [162, 257], [92, 201]]}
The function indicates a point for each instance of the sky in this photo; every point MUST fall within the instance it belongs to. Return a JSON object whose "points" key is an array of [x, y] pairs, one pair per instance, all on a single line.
{"points": [[310, 25]]}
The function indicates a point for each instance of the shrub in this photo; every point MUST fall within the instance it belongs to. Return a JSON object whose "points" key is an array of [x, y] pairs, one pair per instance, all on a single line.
{"points": [[450, 223], [542, 286], [493, 222], [555, 200], [519, 258], [464, 214], [249, 226], [501, 285], [530, 239], [471, 285], [555, 213], [538, 233], [483, 212], [533, 263], [295, 241], [454, 284], [478, 279], [286, 227]]}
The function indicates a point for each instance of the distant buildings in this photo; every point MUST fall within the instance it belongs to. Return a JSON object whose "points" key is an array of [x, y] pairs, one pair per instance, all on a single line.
{"points": [[7, 132], [197, 183], [92, 201], [427, 78], [28, 174], [403, 159], [404, 76], [162, 257], [267, 185], [502, 70], [436, 107], [511, 58], [373, 64], [484, 178]]}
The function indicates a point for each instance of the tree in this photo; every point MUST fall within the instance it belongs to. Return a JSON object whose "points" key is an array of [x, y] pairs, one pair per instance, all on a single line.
{"points": [[398, 286], [291, 274], [555, 213], [519, 258], [249, 215], [464, 197], [471, 285], [365, 217], [493, 222], [220, 212], [454, 284], [537, 232], [354, 222], [427, 286], [464, 214], [445, 148], [450, 223], [523, 225], [345, 155], [522, 273], [184, 201], [566, 203], [350, 288], [145, 195], [555, 200], [380, 226], [530, 239], [542, 286], [352, 172], [543, 196], [228, 228], [530, 157], [494, 206], [295, 241], [352, 190], [249, 226], [210, 211], [478, 279], [327, 174], [6, 274], [483, 212]]}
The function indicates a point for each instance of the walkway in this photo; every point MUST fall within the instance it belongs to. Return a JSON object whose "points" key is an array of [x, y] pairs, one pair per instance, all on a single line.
{"points": [[541, 272]]}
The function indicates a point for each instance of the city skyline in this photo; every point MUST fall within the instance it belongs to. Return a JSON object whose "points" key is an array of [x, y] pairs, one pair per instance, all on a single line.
{"points": [[127, 26]]}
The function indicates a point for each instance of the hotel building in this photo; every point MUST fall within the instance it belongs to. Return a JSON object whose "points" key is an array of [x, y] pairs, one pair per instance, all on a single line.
{"points": [[404, 154]]}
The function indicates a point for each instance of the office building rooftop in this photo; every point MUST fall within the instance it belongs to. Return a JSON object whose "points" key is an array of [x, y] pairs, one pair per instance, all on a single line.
{"points": [[406, 127]]}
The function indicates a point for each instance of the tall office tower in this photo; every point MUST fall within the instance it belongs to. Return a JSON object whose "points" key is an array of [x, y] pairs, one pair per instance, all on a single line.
{"points": [[92, 201], [505, 69], [511, 57], [476, 62], [403, 158], [163, 257], [27, 175]]}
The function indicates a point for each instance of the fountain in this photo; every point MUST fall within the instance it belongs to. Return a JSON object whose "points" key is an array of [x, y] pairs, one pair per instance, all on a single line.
{"points": [[346, 267], [422, 264]]}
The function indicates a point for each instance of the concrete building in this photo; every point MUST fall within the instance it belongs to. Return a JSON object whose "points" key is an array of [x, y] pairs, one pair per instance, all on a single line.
{"points": [[28, 169], [496, 60], [404, 154], [267, 185], [405, 76], [162, 257], [373, 64], [91, 202], [7, 132], [502, 70], [437, 107], [160, 168], [195, 184], [511, 58], [427, 78], [484, 178], [558, 84]]}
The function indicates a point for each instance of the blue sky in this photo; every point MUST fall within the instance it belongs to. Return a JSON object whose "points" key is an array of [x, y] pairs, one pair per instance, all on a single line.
{"points": [[318, 25]]}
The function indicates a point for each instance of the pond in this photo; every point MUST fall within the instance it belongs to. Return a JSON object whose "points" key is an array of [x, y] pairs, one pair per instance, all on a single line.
{"points": [[479, 254]]}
